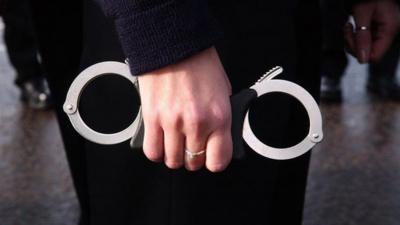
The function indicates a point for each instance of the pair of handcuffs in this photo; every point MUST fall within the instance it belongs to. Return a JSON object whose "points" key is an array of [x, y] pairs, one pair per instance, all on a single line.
{"points": [[240, 103]]}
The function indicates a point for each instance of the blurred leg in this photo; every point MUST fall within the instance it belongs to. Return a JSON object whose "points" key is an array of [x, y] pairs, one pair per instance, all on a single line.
{"points": [[20, 41], [382, 75], [334, 60], [23, 54], [59, 30]]}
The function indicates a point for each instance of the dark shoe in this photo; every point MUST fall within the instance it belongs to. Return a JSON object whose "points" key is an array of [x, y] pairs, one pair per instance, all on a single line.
{"points": [[384, 88], [331, 90], [36, 93]]}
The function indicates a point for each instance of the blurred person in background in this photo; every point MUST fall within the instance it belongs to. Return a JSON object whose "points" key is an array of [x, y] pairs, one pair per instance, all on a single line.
{"points": [[23, 53], [381, 80]]}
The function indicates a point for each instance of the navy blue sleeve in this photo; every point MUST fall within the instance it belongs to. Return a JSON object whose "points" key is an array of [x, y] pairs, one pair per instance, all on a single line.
{"points": [[157, 33]]}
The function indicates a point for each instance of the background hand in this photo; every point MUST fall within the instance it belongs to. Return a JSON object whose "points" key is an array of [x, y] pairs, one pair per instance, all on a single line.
{"points": [[186, 106], [382, 18]]}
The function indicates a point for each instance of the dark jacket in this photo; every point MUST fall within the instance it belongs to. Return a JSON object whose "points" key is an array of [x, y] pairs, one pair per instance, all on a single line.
{"points": [[156, 33]]}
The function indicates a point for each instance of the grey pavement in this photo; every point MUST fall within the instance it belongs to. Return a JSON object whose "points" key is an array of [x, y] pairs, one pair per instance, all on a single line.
{"points": [[35, 183], [354, 175]]}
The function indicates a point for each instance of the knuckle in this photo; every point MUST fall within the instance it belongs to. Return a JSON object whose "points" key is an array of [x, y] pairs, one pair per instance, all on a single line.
{"points": [[221, 160], [222, 117], [196, 145], [216, 167], [150, 117], [171, 121], [151, 151], [172, 164], [195, 118], [194, 115], [192, 130], [152, 155], [193, 167], [195, 123]]}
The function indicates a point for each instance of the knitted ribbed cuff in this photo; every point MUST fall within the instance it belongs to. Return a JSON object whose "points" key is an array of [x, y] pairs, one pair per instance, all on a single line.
{"points": [[164, 34]]}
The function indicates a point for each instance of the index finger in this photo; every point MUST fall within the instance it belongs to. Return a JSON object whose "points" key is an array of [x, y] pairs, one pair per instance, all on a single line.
{"points": [[362, 17]]}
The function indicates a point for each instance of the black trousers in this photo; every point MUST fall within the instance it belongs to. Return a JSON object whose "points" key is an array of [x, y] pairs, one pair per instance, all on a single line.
{"points": [[58, 26], [334, 62], [20, 41], [118, 185]]}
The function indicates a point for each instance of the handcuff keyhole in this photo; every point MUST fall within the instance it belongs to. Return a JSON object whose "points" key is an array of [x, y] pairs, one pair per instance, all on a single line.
{"points": [[114, 100], [279, 120]]}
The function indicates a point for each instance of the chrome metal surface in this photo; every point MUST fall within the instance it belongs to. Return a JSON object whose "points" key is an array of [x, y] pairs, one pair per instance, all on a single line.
{"points": [[72, 102], [266, 84]]}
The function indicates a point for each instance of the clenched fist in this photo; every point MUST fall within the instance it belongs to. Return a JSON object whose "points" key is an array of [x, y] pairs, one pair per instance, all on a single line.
{"points": [[187, 113]]}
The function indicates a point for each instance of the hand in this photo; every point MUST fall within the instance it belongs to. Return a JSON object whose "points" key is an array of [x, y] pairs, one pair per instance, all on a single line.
{"points": [[187, 106], [382, 18]]}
